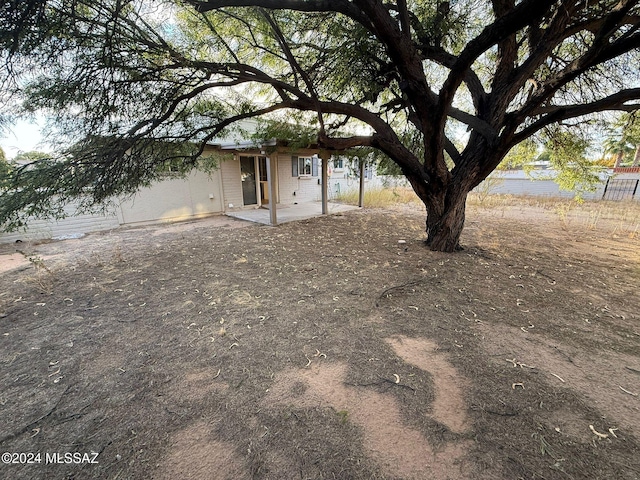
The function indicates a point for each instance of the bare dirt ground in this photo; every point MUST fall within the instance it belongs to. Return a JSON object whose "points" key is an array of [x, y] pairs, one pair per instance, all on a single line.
{"points": [[324, 349]]}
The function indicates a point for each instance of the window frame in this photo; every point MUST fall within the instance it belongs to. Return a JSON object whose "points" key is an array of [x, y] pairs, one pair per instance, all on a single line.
{"points": [[302, 164]]}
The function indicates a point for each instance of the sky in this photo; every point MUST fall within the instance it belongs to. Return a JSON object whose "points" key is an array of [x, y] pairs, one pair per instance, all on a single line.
{"points": [[22, 137]]}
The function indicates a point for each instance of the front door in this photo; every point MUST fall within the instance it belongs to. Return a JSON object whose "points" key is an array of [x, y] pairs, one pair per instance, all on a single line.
{"points": [[248, 175]]}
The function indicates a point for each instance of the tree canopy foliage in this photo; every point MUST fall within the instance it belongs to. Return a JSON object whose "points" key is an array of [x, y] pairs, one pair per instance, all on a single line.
{"points": [[445, 89], [29, 157], [623, 141], [5, 168], [565, 153]]}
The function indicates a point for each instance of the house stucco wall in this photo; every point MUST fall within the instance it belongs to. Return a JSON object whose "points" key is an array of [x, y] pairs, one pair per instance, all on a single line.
{"points": [[306, 189], [68, 227], [169, 200], [231, 184], [174, 199]]}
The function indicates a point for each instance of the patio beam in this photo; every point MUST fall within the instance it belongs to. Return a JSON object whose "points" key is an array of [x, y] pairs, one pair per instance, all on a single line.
{"points": [[271, 188], [325, 156], [361, 196]]}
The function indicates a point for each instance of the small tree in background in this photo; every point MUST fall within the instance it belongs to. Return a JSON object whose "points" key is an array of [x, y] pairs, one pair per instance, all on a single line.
{"points": [[623, 141], [618, 148]]}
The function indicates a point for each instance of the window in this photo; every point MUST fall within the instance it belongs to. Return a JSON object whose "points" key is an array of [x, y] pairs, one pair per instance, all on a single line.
{"points": [[305, 166], [338, 163]]}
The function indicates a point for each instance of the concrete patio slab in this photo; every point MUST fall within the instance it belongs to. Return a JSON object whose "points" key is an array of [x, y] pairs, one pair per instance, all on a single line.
{"points": [[290, 213]]}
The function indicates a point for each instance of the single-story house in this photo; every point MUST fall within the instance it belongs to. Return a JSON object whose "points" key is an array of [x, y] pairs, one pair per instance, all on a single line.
{"points": [[251, 176]]}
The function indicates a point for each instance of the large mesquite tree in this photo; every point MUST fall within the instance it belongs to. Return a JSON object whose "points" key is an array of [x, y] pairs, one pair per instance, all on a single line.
{"points": [[444, 88]]}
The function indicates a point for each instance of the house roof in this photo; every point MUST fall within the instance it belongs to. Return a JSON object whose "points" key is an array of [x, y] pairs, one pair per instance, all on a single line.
{"points": [[236, 140], [243, 144]]}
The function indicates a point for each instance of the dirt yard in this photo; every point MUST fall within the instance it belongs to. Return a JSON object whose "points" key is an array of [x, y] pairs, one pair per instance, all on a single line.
{"points": [[324, 349]]}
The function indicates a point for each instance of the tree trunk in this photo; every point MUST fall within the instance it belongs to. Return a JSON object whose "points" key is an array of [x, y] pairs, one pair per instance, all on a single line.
{"points": [[636, 158], [445, 211], [618, 161], [445, 221]]}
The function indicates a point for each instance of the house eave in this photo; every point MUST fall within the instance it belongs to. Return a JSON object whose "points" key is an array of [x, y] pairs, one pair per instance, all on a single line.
{"points": [[244, 145], [247, 145]]}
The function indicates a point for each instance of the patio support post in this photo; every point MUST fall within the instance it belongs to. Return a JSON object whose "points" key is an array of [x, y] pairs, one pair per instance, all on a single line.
{"points": [[361, 198], [271, 187], [325, 156]]}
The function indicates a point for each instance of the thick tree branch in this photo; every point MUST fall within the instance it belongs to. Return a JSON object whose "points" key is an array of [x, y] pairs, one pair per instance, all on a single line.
{"points": [[384, 138], [403, 12], [597, 54], [594, 25], [476, 123], [453, 152], [338, 143], [403, 52], [341, 6], [542, 44], [600, 50], [303, 101], [558, 113], [524, 13], [507, 48]]}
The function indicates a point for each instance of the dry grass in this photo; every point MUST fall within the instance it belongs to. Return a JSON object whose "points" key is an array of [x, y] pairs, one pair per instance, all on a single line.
{"points": [[43, 276], [621, 217], [382, 197]]}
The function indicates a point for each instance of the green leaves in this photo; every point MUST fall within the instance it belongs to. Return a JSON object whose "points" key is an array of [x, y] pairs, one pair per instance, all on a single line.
{"points": [[567, 154], [91, 173], [296, 135], [521, 155], [623, 141]]}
